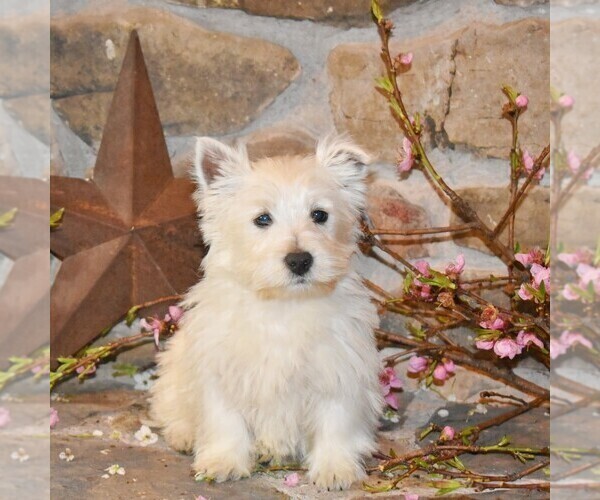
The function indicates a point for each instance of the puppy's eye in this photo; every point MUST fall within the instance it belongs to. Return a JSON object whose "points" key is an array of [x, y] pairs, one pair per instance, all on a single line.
{"points": [[319, 216], [263, 220]]}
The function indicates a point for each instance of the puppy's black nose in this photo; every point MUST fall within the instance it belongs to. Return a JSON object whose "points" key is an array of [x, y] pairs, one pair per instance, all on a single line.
{"points": [[299, 262]]}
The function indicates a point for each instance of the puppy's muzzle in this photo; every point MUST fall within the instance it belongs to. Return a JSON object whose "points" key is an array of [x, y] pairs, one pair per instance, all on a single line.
{"points": [[298, 262]]}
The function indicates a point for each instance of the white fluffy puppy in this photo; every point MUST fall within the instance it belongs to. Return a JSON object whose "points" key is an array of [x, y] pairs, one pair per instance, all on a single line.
{"points": [[275, 355]]}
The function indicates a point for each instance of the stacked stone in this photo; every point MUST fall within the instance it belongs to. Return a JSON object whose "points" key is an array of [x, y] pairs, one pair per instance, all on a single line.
{"points": [[278, 74]]}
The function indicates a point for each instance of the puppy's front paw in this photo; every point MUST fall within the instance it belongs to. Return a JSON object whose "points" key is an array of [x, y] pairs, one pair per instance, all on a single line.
{"points": [[335, 475], [221, 467]]}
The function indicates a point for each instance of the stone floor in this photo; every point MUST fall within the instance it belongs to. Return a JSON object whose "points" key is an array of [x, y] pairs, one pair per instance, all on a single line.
{"points": [[100, 417]]}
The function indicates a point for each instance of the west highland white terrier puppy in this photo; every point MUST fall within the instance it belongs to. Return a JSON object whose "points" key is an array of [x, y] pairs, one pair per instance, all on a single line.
{"points": [[275, 356]]}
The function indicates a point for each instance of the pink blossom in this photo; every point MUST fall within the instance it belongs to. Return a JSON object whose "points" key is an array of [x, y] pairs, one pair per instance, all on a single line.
{"points": [[557, 349], [485, 345], [449, 365], [540, 273], [589, 274], [524, 258], [456, 267], [447, 433], [411, 496], [566, 101], [573, 161], [507, 348], [574, 164], [417, 364], [569, 294], [496, 324], [388, 379], [568, 338], [529, 163], [53, 418], [89, 369], [406, 59], [201, 497], [525, 338], [425, 292], [423, 267], [524, 292], [391, 400], [407, 159], [522, 101], [291, 479], [440, 373], [155, 326], [4, 417], [572, 259], [174, 315]]}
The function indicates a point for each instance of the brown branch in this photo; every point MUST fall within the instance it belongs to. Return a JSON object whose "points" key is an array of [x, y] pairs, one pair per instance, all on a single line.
{"points": [[540, 162], [424, 231], [461, 206], [465, 358]]}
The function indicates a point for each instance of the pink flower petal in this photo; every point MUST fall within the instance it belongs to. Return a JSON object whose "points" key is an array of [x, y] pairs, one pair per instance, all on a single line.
{"points": [[507, 348], [423, 267], [53, 418], [4, 417], [569, 294], [557, 349], [568, 339], [449, 366], [291, 479], [485, 345], [175, 312], [411, 496], [524, 293], [417, 364], [573, 161], [522, 101], [526, 338], [440, 373], [447, 434], [391, 400], [566, 101], [406, 59]]}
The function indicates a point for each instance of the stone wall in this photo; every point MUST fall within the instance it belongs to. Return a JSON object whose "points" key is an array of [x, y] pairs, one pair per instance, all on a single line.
{"points": [[279, 74]]}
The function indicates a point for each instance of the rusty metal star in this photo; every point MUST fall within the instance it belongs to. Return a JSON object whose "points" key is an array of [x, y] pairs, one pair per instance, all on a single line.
{"points": [[130, 235]]}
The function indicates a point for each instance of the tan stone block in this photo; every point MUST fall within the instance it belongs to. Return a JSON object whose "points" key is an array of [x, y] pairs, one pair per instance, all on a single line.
{"points": [[205, 82]]}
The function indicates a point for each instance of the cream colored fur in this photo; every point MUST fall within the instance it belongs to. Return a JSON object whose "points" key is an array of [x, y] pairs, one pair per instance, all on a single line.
{"points": [[266, 363]]}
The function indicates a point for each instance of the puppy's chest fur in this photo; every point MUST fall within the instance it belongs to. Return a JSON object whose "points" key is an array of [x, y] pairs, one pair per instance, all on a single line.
{"points": [[274, 351]]}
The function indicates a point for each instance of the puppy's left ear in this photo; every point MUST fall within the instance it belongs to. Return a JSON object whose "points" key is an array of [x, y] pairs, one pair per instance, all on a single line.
{"points": [[348, 163]]}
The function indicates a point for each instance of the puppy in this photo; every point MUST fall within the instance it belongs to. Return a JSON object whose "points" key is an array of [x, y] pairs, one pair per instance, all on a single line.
{"points": [[275, 356]]}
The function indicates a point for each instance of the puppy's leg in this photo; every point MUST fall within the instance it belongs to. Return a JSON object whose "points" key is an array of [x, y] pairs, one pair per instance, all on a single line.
{"points": [[171, 402], [223, 446], [341, 438]]}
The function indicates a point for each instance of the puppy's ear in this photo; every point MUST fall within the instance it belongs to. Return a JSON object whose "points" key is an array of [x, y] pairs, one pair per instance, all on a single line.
{"points": [[213, 159], [347, 161]]}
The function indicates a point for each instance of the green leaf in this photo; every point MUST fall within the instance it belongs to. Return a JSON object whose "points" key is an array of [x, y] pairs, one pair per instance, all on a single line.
{"points": [[377, 489], [438, 279], [408, 281], [56, 218], [446, 486], [7, 217], [384, 83], [376, 10], [509, 92], [425, 432], [517, 247], [124, 370], [132, 315], [597, 254]]}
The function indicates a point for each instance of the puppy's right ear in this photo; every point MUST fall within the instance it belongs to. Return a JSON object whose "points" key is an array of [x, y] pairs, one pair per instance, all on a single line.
{"points": [[213, 159]]}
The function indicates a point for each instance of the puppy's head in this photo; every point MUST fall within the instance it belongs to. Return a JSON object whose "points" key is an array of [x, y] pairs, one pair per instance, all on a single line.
{"points": [[280, 226]]}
